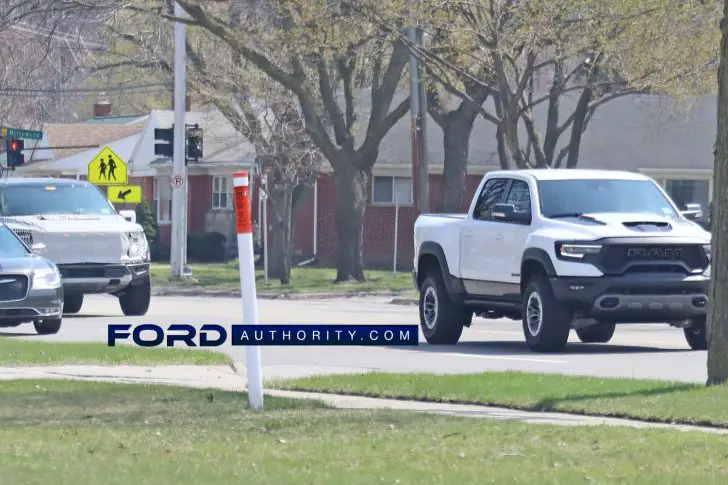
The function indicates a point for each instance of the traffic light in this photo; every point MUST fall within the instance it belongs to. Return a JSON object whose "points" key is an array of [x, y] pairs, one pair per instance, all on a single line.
{"points": [[164, 142], [14, 150], [194, 143]]}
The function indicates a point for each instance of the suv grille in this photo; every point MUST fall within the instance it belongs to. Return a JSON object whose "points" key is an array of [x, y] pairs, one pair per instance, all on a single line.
{"points": [[13, 287], [686, 258]]}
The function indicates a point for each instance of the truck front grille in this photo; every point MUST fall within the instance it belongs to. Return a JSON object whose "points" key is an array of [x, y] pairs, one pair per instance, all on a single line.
{"points": [[639, 258], [13, 287]]}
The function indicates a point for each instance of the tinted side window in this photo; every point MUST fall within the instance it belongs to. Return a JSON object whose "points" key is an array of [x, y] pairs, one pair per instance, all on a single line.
{"points": [[491, 194], [519, 196]]}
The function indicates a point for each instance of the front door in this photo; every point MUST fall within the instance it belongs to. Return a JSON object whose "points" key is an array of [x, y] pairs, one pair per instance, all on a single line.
{"points": [[478, 255]]}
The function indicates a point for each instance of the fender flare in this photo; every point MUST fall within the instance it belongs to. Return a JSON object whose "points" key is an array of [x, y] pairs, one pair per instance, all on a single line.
{"points": [[453, 285], [540, 256]]}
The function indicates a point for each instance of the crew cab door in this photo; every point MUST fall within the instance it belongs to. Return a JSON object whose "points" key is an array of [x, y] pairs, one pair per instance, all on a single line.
{"points": [[511, 234], [478, 243]]}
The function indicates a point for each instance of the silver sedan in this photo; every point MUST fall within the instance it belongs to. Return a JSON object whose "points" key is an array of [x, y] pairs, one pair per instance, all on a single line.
{"points": [[30, 286]]}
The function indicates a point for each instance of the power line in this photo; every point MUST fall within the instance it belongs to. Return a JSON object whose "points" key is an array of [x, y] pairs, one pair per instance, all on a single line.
{"points": [[84, 90], [77, 94]]}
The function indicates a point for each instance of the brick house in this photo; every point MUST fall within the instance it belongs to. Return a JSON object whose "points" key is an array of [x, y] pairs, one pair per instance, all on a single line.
{"points": [[648, 134], [643, 133], [67, 149]]}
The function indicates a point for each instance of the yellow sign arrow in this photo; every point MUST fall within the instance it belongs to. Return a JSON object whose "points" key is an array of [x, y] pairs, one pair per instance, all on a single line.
{"points": [[107, 168], [125, 194]]}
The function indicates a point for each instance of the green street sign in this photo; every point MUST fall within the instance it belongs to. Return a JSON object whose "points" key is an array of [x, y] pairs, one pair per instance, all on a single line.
{"points": [[6, 132]]}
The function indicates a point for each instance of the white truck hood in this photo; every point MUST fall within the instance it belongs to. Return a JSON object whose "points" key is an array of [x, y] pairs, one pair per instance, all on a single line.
{"points": [[71, 239], [628, 225]]}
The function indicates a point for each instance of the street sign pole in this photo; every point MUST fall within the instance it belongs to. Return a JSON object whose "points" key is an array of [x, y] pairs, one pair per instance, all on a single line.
{"points": [[179, 191]]}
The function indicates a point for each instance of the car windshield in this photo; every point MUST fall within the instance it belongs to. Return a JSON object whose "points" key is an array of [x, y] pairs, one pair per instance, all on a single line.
{"points": [[10, 245], [36, 199], [571, 198]]}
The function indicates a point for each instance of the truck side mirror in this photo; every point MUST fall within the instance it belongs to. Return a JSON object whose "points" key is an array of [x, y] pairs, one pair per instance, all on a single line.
{"points": [[508, 213], [692, 212], [128, 215]]}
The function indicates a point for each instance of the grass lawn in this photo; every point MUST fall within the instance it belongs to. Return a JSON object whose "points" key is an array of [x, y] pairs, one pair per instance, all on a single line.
{"points": [[653, 400], [78, 433], [14, 351], [225, 276]]}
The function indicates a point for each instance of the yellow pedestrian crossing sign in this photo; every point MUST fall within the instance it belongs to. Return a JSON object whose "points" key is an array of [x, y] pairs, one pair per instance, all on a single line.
{"points": [[125, 194], [107, 168]]}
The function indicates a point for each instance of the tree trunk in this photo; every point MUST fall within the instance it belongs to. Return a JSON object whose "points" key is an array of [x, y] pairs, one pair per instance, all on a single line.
{"points": [[718, 307], [280, 251], [577, 127], [457, 128], [351, 185]]}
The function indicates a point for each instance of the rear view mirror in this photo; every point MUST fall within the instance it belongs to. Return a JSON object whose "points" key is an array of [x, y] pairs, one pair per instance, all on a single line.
{"points": [[508, 213], [38, 248]]}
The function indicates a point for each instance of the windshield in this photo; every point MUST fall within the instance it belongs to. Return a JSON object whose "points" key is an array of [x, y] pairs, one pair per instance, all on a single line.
{"points": [[27, 200], [563, 198], [10, 245]]}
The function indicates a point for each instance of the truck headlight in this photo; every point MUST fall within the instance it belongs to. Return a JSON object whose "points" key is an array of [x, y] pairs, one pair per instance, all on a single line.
{"points": [[708, 252], [136, 247], [46, 279], [577, 251]]}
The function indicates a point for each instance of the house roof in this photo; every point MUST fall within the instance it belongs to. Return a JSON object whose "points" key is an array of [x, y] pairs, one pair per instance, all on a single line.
{"points": [[80, 137], [117, 120], [646, 131]]}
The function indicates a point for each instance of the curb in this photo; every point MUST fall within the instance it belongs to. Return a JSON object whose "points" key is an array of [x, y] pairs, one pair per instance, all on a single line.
{"points": [[197, 292], [403, 301]]}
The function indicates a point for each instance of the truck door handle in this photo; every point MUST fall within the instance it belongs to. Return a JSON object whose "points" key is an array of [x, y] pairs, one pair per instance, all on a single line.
{"points": [[467, 234], [499, 237]]}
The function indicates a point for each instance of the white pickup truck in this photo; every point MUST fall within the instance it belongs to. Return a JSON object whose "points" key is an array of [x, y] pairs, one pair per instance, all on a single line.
{"points": [[562, 249]]}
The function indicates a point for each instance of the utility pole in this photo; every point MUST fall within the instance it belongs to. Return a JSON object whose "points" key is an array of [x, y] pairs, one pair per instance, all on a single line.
{"points": [[418, 110], [179, 170]]}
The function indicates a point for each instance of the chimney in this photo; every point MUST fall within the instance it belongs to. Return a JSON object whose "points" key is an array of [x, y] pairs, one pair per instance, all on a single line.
{"points": [[102, 107], [188, 103]]}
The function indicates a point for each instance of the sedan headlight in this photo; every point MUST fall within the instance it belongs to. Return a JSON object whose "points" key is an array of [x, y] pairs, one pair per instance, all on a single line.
{"points": [[577, 251], [46, 279]]}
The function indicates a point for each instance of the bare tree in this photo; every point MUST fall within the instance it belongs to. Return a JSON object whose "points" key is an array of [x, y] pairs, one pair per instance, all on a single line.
{"points": [[323, 55], [41, 42], [263, 112]]}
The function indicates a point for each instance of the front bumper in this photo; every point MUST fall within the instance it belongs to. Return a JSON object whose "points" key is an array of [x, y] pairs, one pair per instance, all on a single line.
{"points": [[635, 298], [37, 305], [101, 278]]}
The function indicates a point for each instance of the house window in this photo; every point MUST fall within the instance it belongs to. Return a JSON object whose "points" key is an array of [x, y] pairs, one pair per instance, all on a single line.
{"points": [[222, 193], [684, 192], [163, 198], [388, 190]]}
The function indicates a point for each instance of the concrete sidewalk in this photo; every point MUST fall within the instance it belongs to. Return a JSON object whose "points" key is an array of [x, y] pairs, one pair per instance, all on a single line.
{"points": [[229, 379]]}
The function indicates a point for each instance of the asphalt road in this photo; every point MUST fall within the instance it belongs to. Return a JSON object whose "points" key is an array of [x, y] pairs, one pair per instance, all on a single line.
{"points": [[641, 351]]}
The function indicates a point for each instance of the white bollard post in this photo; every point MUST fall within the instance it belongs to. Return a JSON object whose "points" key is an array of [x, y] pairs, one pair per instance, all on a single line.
{"points": [[241, 186]]}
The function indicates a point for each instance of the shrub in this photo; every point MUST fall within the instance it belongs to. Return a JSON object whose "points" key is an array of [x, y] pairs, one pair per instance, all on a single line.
{"points": [[206, 247]]}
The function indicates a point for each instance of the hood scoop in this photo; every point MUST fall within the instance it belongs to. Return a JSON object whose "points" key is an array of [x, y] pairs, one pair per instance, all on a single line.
{"points": [[648, 226]]}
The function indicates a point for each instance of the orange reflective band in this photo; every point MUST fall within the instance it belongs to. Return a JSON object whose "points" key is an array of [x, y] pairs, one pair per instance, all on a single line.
{"points": [[243, 220]]}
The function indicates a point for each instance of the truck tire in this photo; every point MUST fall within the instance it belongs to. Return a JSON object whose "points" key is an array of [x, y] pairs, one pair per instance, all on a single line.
{"points": [[546, 322], [48, 326], [441, 319], [601, 333], [135, 299], [72, 303], [697, 335]]}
